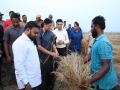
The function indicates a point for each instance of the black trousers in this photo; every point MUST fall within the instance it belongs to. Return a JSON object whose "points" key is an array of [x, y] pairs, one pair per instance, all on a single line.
{"points": [[62, 51], [47, 75]]}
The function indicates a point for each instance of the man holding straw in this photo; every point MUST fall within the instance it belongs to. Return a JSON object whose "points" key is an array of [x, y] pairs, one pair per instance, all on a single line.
{"points": [[104, 75], [47, 50]]}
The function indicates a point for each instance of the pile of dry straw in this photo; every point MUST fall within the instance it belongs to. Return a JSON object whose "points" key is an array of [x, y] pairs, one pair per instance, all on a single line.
{"points": [[72, 74]]}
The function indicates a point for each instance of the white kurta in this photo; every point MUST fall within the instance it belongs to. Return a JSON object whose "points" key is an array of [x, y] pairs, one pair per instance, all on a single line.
{"points": [[26, 62]]}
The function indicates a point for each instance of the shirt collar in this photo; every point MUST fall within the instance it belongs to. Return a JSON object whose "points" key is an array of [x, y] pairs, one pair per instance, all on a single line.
{"points": [[99, 37], [44, 31], [26, 37]]}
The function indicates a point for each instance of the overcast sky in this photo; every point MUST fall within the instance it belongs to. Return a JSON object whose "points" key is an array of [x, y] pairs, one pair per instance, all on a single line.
{"points": [[82, 11]]}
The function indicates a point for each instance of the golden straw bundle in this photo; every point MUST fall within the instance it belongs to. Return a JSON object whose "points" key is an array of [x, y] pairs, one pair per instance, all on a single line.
{"points": [[72, 73]]}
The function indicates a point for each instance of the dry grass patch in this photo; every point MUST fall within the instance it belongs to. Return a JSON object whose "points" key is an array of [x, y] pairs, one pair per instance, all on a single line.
{"points": [[72, 73]]}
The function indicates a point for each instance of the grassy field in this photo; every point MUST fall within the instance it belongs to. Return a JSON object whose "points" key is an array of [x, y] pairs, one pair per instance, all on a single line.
{"points": [[115, 40]]}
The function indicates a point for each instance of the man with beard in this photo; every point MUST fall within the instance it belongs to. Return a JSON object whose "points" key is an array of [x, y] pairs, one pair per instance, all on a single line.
{"points": [[104, 75], [39, 21], [26, 59], [10, 35]]}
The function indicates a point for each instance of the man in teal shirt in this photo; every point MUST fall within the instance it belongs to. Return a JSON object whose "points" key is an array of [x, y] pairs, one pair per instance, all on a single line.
{"points": [[104, 75]]}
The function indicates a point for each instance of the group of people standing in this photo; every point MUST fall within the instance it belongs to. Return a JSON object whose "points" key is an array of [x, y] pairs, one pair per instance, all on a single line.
{"points": [[30, 48]]}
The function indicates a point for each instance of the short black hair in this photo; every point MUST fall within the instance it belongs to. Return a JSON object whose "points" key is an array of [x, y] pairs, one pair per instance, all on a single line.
{"points": [[15, 15], [23, 16], [31, 24], [47, 21], [19, 15], [76, 23], [99, 20], [59, 20], [11, 12]]}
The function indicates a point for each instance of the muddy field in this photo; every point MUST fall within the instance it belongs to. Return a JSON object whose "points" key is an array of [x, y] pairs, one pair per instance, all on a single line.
{"points": [[115, 40]]}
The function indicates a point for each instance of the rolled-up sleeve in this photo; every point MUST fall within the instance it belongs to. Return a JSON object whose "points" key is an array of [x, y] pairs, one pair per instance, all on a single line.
{"points": [[105, 50], [19, 60]]}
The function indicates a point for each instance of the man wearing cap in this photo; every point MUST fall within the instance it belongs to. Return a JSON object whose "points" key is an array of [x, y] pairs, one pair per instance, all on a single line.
{"points": [[1, 17], [39, 21]]}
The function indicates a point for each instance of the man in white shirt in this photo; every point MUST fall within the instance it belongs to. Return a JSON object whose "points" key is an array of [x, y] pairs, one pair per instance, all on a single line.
{"points": [[26, 59], [62, 38]]}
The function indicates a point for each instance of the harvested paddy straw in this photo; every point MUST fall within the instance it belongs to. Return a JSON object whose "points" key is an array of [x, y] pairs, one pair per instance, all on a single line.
{"points": [[72, 73]]}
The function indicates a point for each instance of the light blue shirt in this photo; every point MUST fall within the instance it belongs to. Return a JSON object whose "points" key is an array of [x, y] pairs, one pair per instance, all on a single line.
{"points": [[102, 50]]}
